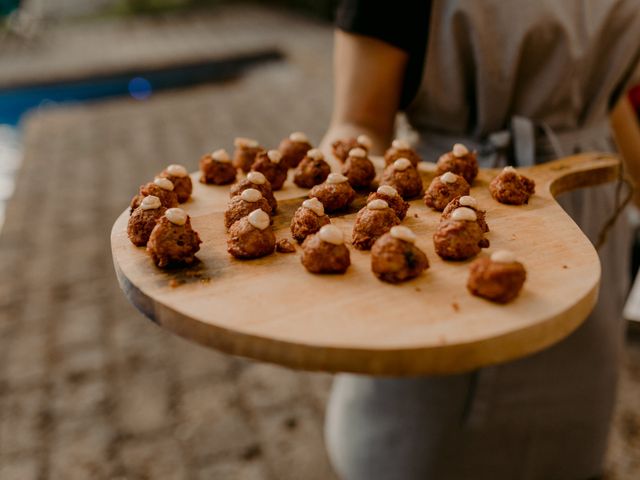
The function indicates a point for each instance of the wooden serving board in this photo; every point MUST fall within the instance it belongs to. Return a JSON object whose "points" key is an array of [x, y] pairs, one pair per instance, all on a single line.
{"points": [[272, 309]]}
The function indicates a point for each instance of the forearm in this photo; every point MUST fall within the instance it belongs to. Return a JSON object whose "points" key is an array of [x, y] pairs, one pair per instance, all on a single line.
{"points": [[368, 76], [627, 134]]}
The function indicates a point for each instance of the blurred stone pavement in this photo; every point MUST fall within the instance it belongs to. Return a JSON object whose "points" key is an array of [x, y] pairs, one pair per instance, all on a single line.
{"points": [[90, 389]]}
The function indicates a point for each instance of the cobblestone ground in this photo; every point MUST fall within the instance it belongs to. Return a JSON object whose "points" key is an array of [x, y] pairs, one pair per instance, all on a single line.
{"points": [[89, 389]]}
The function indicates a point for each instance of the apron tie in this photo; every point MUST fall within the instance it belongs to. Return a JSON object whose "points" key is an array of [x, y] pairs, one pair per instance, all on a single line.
{"points": [[526, 141], [513, 146], [521, 141]]}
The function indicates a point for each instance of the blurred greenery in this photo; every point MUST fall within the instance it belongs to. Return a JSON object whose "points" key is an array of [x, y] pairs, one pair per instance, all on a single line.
{"points": [[323, 9], [8, 6], [158, 6]]}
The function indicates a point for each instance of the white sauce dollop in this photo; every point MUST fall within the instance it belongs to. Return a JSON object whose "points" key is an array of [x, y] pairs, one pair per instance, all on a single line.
{"points": [[164, 183], [251, 195], [243, 142], [177, 216], [150, 202], [503, 256], [468, 201], [331, 234], [459, 150], [314, 205], [259, 219], [509, 169], [221, 155], [177, 170], [256, 178], [274, 155], [387, 190], [401, 164], [298, 137], [365, 141], [399, 144], [335, 178], [357, 152], [377, 204], [315, 154], [464, 214], [403, 233], [448, 177]]}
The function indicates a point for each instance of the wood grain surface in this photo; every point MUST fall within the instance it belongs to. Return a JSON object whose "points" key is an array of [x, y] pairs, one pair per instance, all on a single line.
{"points": [[272, 309]]}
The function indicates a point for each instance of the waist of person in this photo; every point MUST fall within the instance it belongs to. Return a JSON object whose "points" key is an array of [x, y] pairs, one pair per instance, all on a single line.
{"points": [[524, 142]]}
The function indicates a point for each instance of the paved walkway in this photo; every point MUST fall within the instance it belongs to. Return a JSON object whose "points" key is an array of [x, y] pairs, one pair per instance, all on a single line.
{"points": [[91, 389], [88, 387]]}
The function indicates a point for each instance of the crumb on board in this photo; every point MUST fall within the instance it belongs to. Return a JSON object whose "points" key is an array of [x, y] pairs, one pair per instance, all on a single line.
{"points": [[415, 215], [188, 276], [455, 306], [565, 266], [418, 289], [285, 246]]}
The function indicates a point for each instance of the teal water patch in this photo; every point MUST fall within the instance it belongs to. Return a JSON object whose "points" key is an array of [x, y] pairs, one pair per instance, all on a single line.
{"points": [[138, 84]]}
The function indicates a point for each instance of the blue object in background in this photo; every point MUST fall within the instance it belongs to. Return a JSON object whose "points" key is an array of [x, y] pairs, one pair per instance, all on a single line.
{"points": [[14, 102], [140, 88]]}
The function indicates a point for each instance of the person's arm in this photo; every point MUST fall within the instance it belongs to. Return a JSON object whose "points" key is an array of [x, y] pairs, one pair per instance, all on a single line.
{"points": [[627, 134], [368, 79]]}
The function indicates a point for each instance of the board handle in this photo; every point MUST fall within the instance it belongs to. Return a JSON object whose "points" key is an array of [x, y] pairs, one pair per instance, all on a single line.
{"points": [[578, 171]]}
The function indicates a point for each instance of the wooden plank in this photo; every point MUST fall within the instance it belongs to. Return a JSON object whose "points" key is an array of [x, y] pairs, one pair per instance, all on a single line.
{"points": [[272, 309]]}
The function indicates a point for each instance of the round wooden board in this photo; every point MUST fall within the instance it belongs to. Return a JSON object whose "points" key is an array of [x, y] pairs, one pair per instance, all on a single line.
{"points": [[272, 309]]}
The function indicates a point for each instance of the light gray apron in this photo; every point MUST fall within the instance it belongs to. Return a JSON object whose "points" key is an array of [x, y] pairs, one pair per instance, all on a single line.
{"points": [[540, 76]]}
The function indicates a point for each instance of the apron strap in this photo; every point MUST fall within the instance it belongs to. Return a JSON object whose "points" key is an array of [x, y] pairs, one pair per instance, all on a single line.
{"points": [[527, 141], [524, 141], [523, 144]]}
